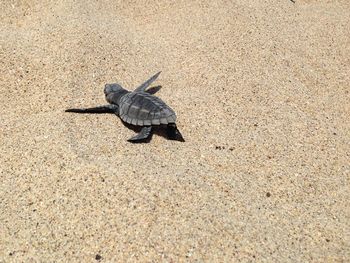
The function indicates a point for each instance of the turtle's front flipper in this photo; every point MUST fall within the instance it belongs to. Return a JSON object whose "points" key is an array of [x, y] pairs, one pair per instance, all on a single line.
{"points": [[173, 133], [110, 108], [144, 134], [145, 85]]}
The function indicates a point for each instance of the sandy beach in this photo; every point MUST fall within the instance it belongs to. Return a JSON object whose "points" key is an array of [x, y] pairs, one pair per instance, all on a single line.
{"points": [[261, 92]]}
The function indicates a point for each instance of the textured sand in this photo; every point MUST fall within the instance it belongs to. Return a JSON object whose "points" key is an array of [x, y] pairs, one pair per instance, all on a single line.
{"points": [[261, 89]]}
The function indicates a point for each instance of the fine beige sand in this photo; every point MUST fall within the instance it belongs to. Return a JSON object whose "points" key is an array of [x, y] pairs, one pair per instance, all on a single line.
{"points": [[261, 90]]}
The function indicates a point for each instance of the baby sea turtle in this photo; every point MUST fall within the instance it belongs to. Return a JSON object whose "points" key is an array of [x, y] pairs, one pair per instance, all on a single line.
{"points": [[138, 108]]}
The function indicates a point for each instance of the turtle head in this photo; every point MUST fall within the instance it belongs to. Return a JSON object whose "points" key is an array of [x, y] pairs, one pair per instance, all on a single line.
{"points": [[114, 92]]}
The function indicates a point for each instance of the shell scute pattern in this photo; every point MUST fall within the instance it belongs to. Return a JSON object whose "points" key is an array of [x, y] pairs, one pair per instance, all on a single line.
{"points": [[140, 108]]}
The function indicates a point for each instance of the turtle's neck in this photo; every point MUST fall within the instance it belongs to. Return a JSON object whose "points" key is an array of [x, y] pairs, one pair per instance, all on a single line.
{"points": [[114, 97]]}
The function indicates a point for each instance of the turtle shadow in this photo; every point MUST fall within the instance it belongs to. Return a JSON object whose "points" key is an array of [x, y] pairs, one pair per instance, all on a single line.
{"points": [[153, 90], [160, 130]]}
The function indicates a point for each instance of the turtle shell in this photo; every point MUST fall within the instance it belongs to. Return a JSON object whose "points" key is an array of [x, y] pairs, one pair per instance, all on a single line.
{"points": [[143, 109]]}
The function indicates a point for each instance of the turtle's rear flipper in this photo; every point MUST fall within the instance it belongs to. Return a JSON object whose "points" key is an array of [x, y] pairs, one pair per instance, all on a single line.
{"points": [[110, 108], [173, 133], [143, 136]]}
